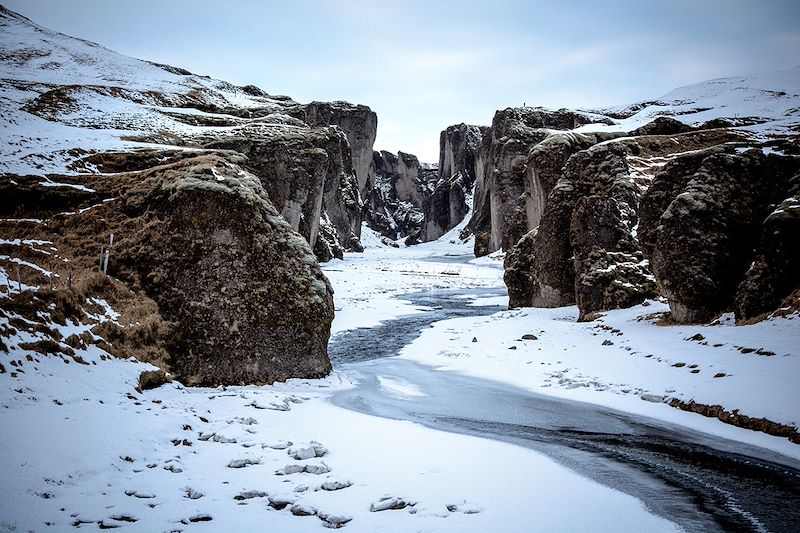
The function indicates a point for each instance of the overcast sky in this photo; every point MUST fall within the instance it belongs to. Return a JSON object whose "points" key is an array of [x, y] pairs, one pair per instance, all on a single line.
{"points": [[423, 65]]}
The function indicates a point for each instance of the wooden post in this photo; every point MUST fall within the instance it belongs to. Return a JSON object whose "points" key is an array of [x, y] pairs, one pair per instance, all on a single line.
{"points": [[19, 281], [108, 253], [102, 255]]}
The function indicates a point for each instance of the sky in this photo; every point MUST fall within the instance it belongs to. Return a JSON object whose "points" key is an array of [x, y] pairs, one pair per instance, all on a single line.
{"points": [[424, 65]]}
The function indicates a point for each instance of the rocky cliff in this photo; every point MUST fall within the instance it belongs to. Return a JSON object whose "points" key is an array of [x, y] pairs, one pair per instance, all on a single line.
{"points": [[507, 186], [399, 188], [688, 211], [309, 177], [216, 195], [359, 123], [451, 198]]}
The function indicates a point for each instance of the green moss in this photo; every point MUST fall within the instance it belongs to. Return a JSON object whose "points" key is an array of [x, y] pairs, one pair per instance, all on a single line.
{"points": [[151, 379]]}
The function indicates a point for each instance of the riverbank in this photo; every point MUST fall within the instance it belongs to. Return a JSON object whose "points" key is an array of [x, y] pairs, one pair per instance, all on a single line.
{"points": [[625, 360], [277, 457]]}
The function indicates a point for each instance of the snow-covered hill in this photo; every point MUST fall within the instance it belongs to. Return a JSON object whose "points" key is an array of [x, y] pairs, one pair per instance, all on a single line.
{"points": [[62, 97], [765, 104]]}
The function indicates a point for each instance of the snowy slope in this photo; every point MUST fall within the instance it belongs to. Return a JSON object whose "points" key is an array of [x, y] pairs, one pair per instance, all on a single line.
{"points": [[82, 448], [766, 103], [59, 93]]}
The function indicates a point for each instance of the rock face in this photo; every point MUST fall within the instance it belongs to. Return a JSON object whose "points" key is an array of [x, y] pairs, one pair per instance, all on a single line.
{"points": [[610, 270], [590, 247], [450, 200], [518, 272], [601, 175], [706, 238], [359, 123], [195, 236], [400, 189], [507, 187], [773, 276], [308, 176]]}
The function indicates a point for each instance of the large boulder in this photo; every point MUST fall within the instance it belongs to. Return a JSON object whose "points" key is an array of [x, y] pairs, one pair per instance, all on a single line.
{"points": [[610, 270], [706, 238], [601, 170], [200, 237], [775, 273], [518, 272]]}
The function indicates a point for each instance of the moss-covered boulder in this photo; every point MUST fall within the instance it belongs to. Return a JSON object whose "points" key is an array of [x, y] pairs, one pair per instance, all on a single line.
{"points": [[244, 292]]}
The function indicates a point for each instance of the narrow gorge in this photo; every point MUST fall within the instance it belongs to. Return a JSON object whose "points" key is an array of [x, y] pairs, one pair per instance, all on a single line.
{"points": [[177, 254]]}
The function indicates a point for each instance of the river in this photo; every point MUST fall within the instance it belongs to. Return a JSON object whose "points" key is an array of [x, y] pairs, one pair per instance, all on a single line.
{"points": [[699, 481]]}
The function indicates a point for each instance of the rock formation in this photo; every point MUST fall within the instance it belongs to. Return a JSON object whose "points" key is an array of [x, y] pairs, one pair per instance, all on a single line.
{"points": [[773, 276], [400, 187], [308, 175], [590, 245], [507, 187], [359, 123], [239, 297], [705, 241], [451, 198]]}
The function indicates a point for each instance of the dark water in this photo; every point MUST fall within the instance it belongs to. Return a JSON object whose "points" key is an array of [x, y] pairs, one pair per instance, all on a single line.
{"points": [[700, 482]]}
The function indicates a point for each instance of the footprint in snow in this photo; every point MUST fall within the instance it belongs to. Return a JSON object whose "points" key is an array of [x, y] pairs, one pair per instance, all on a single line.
{"points": [[465, 507]]}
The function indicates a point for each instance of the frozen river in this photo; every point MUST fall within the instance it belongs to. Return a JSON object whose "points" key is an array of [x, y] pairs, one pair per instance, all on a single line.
{"points": [[702, 482]]}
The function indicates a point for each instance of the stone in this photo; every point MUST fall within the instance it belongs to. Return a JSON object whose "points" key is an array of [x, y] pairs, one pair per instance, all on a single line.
{"points": [[610, 271], [245, 297], [706, 238], [307, 175], [662, 126], [775, 272], [518, 272], [358, 122], [151, 379]]}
